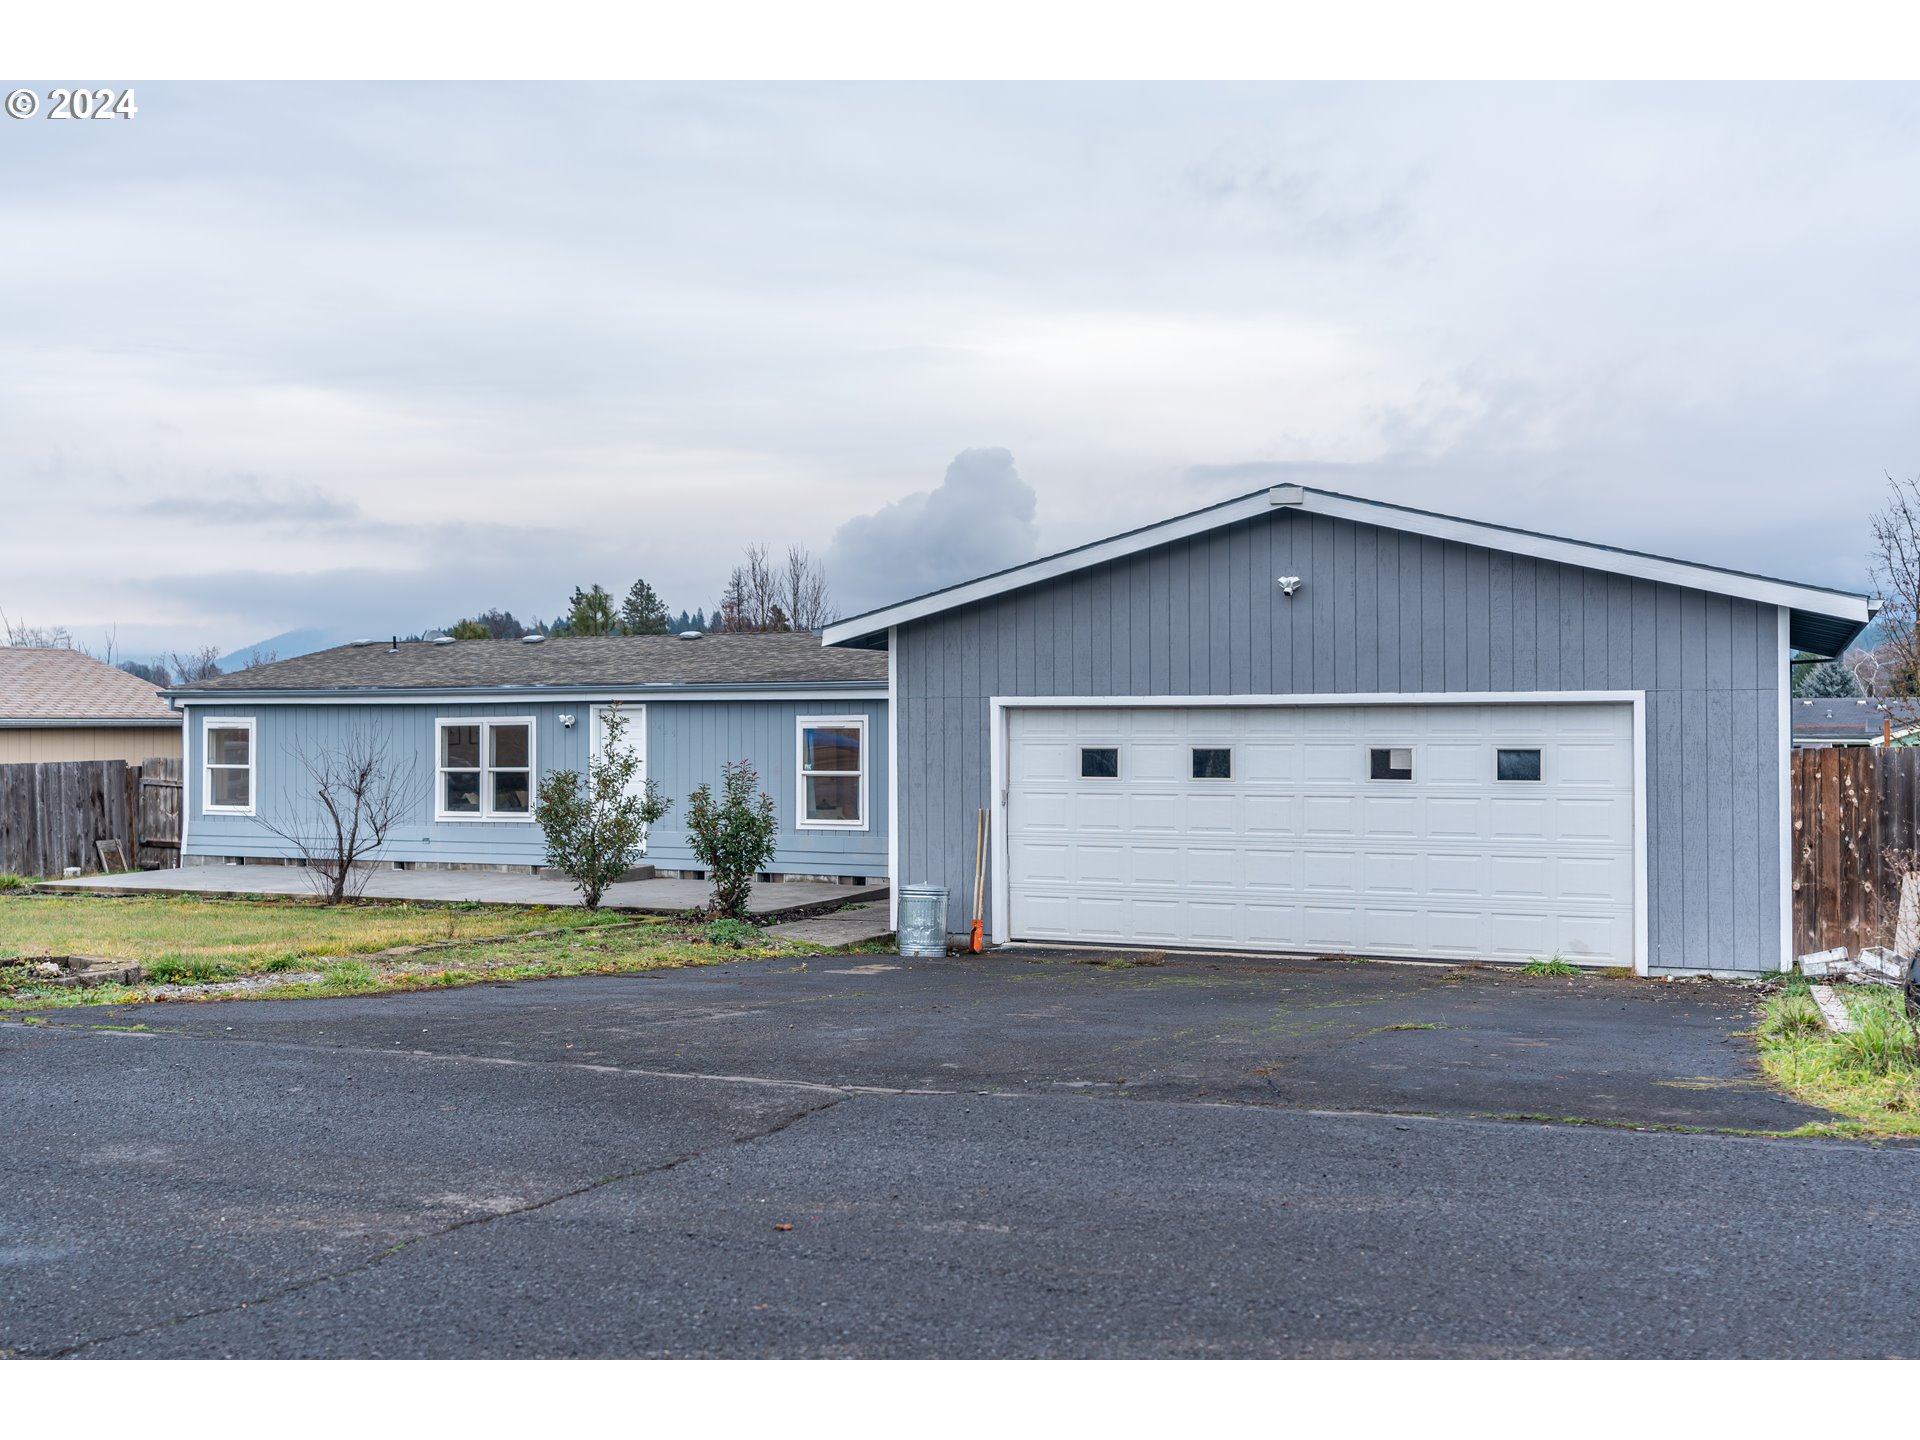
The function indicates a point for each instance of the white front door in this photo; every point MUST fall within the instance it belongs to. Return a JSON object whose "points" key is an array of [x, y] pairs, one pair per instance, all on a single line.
{"points": [[1444, 830], [634, 740]]}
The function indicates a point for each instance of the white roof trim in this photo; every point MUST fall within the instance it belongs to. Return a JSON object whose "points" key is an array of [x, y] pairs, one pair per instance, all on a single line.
{"points": [[1837, 604]]}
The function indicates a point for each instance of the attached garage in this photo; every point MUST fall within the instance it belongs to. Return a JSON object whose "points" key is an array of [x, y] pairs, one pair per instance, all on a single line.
{"points": [[1457, 830], [1308, 722]]}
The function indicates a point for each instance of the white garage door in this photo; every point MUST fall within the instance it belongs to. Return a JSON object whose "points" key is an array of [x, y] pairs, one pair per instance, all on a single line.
{"points": [[1497, 831]]}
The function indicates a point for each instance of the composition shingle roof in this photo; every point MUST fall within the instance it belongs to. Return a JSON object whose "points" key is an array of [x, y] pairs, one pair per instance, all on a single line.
{"points": [[38, 685], [589, 661]]}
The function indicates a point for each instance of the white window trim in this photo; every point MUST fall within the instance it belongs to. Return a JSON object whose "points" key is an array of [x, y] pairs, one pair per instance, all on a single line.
{"points": [[1115, 746], [486, 814], [800, 726], [209, 723]]}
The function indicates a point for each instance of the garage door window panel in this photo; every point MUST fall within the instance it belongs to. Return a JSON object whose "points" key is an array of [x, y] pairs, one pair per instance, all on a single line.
{"points": [[1516, 765], [1390, 762], [1099, 762], [1212, 762]]}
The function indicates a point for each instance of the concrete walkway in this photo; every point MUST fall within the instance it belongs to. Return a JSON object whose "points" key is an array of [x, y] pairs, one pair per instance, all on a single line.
{"points": [[853, 924], [795, 898]]}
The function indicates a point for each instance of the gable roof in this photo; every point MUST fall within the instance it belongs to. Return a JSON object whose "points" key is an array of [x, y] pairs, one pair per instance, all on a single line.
{"points": [[40, 688], [584, 662], [1824, 621]]}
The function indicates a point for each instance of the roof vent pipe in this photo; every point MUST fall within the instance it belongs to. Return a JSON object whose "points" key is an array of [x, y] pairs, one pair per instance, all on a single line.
{"points": [[394, 648]]}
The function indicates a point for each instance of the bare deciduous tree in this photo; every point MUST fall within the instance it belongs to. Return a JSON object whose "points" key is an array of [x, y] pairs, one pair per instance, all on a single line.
{"points": [[359, 799], [803, 591], [760, 597], [1896, 569], [201, 664], [36, 637]]}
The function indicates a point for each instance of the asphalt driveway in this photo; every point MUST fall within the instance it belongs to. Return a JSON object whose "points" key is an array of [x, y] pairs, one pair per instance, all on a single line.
{"points": [[1014, 1155]]}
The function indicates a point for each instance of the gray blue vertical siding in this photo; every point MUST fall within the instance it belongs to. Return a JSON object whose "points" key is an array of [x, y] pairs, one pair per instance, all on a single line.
{"points": [[1383, 611], [687, 743]]}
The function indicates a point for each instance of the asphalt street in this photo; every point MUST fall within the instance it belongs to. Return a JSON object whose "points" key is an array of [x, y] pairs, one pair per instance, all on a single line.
{"points": [[1011, 1156]]}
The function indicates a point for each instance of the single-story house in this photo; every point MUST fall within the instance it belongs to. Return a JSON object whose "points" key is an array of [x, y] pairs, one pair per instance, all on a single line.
{"points": [[58, 704], [1841, 721], [1302, 721], [471, 726]]}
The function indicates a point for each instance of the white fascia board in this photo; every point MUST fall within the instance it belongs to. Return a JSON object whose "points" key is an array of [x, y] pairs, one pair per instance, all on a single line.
{"points": [[520, 697], [1857, 608]]}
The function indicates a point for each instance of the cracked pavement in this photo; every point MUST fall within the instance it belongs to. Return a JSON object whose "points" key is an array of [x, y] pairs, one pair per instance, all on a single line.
{"points": [[1009, 1155]]}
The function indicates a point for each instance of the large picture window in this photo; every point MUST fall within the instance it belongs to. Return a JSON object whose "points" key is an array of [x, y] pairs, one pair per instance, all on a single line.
{"points": [[833, 773], [484, 769], [227, 787]]}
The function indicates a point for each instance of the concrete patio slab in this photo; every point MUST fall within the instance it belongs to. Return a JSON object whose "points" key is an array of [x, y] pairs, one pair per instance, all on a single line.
{"points": [[852, 924], [790, 898]]}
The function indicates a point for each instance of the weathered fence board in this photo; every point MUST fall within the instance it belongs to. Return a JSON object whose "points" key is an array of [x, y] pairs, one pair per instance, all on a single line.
{"points": [[157, 813], [52, 815], [1856, 831]]}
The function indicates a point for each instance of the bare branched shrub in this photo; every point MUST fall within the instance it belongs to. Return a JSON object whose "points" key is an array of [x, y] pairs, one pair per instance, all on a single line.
{"points": [[359, 798]]}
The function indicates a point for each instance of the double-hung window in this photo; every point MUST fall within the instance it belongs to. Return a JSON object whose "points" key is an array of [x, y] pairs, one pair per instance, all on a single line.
{"points": [[833, 773], [484, 769], [227, 786]]}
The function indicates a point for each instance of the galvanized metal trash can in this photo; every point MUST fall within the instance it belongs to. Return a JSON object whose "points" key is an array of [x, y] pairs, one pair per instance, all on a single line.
{"points": [[923, 920]]}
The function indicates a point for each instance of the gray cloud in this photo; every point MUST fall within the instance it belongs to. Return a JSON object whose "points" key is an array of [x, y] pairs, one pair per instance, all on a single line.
{"points": [[980, 518], [249, 502]]}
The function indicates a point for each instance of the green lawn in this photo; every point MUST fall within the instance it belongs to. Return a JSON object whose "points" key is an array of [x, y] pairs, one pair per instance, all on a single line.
{"points": [[1871, 1077], [193, 937], [205, 941]]}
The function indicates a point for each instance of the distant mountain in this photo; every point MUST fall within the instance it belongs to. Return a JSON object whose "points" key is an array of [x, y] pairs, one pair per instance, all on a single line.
{"points": [[285, 646]]}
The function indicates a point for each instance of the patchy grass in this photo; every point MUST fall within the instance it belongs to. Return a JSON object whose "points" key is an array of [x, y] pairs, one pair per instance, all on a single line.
{"points": [[1869, 1078], [1408, 1025], [730, 933], [1555, 967], [191, 939], [637, 945]]}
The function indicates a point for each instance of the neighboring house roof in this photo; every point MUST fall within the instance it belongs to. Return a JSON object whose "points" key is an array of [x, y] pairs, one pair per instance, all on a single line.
{"points": [[559, 663], [1824, 622], [1845, 720], [44, 689]]}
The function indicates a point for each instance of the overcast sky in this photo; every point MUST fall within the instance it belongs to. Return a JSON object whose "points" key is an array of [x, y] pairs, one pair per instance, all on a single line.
{"points": [[371, 358]]}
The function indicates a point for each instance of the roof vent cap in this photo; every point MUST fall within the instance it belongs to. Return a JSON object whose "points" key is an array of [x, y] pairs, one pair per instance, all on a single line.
{"points": [[446, 640], [361, 644], [533, 639], [689, 634]]}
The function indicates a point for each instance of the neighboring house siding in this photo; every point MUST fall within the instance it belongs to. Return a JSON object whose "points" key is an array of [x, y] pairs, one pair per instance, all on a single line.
{"points": [[1382, 612], [687, 741], [35, 745]]}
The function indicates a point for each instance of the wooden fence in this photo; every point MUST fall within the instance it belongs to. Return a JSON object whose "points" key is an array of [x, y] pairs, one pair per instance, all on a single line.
{"points": [[53, 816], [1856, 827]]}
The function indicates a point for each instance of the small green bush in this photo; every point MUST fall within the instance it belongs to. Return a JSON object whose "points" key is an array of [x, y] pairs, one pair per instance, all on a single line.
{"points": [[10, 881], [281, 963], [595, 826], [733, 837], [731, 933]]}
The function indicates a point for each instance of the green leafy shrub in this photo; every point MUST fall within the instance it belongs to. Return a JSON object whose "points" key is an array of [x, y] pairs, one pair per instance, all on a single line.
{"points": [[731, 933], [595, 826], [733, 837], [10, 881]]}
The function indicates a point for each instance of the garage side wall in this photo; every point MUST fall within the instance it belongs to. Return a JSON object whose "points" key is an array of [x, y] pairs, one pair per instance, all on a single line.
{"points": [[1382, 612]]}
